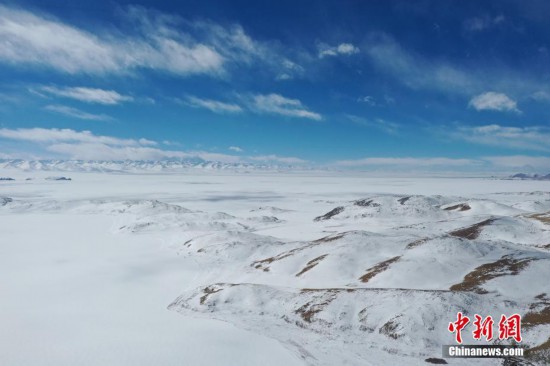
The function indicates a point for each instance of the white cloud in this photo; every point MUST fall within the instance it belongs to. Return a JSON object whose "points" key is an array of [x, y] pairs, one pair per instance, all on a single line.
{"points": [[98, 151], [277, 104], [378, 123], [235, 148], [529, 138], [28, 38], [213, 105], [259, 103], [408, 162], [158, 41], [41, 40], [283, 76], [289, 70], [493, 101], [55, 135], [367, 99], [77, 113], [341, 49], [421, 73], [478, 24], [84, 145], [541, 96], [88, 95], [413, 70]]}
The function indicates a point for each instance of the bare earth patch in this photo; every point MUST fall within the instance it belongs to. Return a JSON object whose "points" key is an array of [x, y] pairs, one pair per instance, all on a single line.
{"points": [[366, 203], [263, 264], [391, 328], [471, 232], [542, 217], [207, 292], [537, 318], [328, 239], [416, 243], [311, 264], [403, 200], [459, 207], [378, 268], [539, 312], [506, 266], [540, 352], [330, 214], [311, 308]]}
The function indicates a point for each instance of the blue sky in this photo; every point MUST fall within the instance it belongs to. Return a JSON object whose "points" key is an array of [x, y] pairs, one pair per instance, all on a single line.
{"points": [[455, 85]]}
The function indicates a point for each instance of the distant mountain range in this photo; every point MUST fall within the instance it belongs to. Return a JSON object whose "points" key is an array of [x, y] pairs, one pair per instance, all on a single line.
{"points": [[176, 165], [523, 176], [130, 166]]}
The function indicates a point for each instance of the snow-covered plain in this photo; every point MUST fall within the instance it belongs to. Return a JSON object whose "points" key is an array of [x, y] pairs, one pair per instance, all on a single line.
{"points": [[210, 267]]}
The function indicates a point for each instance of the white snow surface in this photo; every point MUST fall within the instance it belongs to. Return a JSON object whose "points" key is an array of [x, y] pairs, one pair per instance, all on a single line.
{"points": [[212, 268]]}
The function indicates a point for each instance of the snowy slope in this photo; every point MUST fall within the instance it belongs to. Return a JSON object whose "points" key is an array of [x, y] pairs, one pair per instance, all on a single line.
{"points": [[325, 270]]}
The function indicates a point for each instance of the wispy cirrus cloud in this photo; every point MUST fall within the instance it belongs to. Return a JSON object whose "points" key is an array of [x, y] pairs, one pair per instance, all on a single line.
{"points": [[493, 101], [367, 99], [55, 135], [213, 105], [88, 95], [278, 104], [77, 113], [533, 138], [413, 70], [256, 103], [159, 42], [419, 72], [541, 96], [236, 148], [478, 24], [40, 40], [377, 123]]}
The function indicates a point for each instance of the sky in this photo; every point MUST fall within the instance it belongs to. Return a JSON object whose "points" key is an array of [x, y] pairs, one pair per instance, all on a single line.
{"points": [[416, 85]]}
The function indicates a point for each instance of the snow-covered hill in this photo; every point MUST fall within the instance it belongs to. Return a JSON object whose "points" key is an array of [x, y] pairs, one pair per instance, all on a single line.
{"points": [[336, 270]]}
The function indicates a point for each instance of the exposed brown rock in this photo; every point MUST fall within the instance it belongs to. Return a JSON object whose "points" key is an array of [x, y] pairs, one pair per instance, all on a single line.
{"points": [[459, 207], [506, 266], [471, 232], [417, 243], [366, 203], [207, 292], [330, 214], [378, 268], [311, 264]]}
